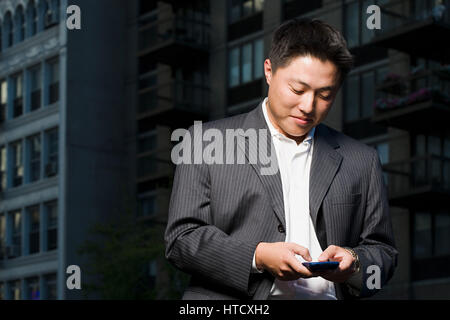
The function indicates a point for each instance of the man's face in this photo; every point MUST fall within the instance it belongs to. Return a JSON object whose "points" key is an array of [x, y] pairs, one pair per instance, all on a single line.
{"points": [[300, 94]]}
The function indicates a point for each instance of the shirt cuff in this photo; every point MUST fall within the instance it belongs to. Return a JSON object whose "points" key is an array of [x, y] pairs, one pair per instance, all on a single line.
{"points": [[254, 268]]}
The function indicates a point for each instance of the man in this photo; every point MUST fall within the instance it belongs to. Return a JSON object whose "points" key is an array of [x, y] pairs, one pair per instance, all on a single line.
{"points": [[242, 234]]}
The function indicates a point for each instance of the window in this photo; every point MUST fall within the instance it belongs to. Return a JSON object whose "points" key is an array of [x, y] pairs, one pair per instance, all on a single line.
{"points": [[34, 145], [432, 164], [356, 32], [32, 17], [152, 272], [32, 285], [17, 81], [147, 142], [383, 152], [148, 205], [17, 164], [16, 248], [294, 8], [2, 168], [51, 13], [7, 31], [51, 214], [2, 235], [35, 88], [53, 84], [19, 25], [431, 234], [14, 290], [33, 227], [51, 159], [360, 93], [240, 9], [245, 63], [3, 99], [50, 287]]}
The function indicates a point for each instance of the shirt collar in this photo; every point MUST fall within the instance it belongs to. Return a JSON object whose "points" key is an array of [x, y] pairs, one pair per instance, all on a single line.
{"points": [[275, 133]]}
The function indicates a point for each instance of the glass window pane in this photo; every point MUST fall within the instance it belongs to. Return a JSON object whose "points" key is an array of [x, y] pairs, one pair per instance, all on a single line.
{"points": [[50, 287], [352, 24], [351, 105], [383, 152], [247, 8], [434, 145], [235, 13], [368, 93], [3, 92], [422, 235], [33, 292], [258, 60], [234, 67], [367, 34], [259, 5], [35, 75], [247, 63], [442, 235]]}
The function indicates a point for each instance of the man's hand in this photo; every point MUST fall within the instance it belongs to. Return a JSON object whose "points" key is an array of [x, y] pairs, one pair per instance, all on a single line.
{"points": [[279, 259], [346, 264]]}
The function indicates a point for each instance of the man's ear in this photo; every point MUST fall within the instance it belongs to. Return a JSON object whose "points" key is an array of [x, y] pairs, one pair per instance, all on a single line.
{"points": [[268, 71]]}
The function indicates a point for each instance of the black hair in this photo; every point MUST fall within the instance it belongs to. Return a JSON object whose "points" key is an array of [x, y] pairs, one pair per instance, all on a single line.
{"points": [[303, 37]]}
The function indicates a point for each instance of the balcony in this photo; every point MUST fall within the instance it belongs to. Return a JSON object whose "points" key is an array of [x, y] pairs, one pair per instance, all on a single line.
{"points": [[417, 103], [421, 182], [174, 41], [174, 103], [416, 27]]}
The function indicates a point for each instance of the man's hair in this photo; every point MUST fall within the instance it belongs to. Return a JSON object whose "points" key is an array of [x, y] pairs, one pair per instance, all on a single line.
{"points": [[303, 37]]}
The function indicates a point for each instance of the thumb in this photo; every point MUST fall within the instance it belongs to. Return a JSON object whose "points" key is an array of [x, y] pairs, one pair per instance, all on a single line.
{"points": [[327, 254], [304, 252]]}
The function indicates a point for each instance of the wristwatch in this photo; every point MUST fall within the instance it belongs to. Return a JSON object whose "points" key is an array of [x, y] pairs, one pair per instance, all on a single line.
{"points": [[356, 263]]}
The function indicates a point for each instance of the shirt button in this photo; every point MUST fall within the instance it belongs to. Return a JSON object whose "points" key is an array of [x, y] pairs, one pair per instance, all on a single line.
{"points": [[281, 228]]}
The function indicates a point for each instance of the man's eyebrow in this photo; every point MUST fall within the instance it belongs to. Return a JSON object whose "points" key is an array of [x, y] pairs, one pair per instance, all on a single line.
{"points": [[328, 88]]}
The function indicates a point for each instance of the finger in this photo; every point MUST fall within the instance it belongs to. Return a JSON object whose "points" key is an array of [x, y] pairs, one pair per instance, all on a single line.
{"points": [[346, 262], [299, 268], [328, 254], [304, 252]]}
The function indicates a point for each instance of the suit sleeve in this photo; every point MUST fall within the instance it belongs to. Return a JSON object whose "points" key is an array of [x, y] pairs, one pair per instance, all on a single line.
{"points": [[376, 246], [194, 244]]}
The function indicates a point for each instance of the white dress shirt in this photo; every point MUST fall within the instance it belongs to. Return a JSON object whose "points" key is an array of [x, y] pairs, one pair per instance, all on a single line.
{"points": [[294, 162]]}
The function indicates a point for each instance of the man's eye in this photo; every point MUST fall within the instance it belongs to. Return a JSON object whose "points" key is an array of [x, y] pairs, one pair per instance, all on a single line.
{"points": [[299, 92], [326, 97]]}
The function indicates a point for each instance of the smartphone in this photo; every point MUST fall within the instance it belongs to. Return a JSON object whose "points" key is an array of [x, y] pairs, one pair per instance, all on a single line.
{"points": [[321, 266]]}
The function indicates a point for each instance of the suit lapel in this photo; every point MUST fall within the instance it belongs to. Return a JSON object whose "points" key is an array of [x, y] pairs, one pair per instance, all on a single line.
{"points": [[272, 182], [324, 166]]}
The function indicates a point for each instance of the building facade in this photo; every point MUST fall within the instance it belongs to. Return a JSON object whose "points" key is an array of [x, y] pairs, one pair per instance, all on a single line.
{"points": [[63, 163]]}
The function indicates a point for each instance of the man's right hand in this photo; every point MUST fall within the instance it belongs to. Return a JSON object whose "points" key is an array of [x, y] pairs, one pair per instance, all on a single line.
{"points": [[279, 259]]}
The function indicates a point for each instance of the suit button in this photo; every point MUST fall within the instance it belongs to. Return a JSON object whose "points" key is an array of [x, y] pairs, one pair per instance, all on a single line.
{"points": [[281, 228]]}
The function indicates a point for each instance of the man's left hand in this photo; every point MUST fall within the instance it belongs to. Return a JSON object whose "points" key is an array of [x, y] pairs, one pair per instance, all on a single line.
{"points": [[346, 264]]}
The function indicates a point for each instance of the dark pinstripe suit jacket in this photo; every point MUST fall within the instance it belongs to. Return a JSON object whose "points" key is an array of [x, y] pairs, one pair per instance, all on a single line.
{"points": [[218, 214]]}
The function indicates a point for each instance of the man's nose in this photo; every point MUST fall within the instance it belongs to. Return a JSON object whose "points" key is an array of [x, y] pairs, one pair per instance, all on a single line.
{"points": [[306, 105]]}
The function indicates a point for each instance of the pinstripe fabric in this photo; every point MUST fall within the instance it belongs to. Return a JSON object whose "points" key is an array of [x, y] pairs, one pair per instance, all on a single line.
{"points": [[218, 213]]}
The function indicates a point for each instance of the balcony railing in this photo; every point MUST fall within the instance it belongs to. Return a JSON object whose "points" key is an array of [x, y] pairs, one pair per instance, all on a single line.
{"points": [[416, 27], [396, 14], [175, 94], [417, 103], [418, 175], [398, 91], [180, 29]]}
